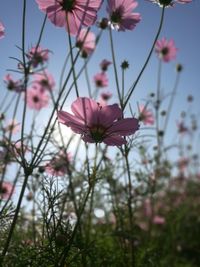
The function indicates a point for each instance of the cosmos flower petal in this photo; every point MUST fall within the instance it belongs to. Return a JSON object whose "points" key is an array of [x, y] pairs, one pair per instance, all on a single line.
{"points": [[124, 127], [85, 109], [114, 141]]}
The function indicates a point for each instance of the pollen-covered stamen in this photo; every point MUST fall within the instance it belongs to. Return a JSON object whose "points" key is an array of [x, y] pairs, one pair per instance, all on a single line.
{"points": [[67, 5]]}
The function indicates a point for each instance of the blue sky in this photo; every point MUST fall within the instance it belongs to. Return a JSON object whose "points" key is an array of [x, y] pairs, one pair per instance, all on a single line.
{"points": [[181, 24]]}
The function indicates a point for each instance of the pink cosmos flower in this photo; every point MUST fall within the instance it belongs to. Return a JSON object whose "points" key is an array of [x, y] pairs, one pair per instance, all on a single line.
{"points": [[2, 30], [121, 16], [37, 56], [6, 189], [13, 85], [77, 12], [59, 165], [168, 3], [98, 124], [45, 80], [104, 64], [101, 80], [165, 49], [86, 41], [13, 126], [158, 220], [146, 115], [37, 98]]}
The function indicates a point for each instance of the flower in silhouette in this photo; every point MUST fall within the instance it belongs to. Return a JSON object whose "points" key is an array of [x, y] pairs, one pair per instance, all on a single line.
{"points": [[86, 41], [2, 30], [98, 123], [121, 16], [71, 14], [37, 98], [104, 64], [13, 85], [165, 49], [38, 56]]}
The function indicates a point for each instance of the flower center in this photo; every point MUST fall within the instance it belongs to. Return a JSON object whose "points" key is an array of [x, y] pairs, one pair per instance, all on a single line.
{"points": [[97, 133], [3, 189], [165, 2], [68, 5], [117, 15], [165, 51], [36, 99]]}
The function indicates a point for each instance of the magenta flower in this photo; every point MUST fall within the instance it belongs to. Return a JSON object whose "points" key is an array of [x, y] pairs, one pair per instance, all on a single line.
{"points": [[98, 124], [59, 165], [165, 49], [105, 64], [2, 30], [6, 189], [37, 98], [121, 16], [182, 129], [146, 115], [101, 80], [86, 41], [13, 85], [77, 12], [168, 3], [37, 56], [45, 80]]}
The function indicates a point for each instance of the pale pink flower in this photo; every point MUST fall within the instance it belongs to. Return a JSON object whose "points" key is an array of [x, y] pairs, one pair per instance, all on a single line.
{"points": [[77, 12], [168, 3], [45, 80], [13, 85], [6, 189], [146, 115], [86, 41], [37, 98], [13, 126], [165, 49], [98, 124], [158, 220], [121, 16], [37, 56], [59, 164], [101, 80], [2, 30], [104, 64]]}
